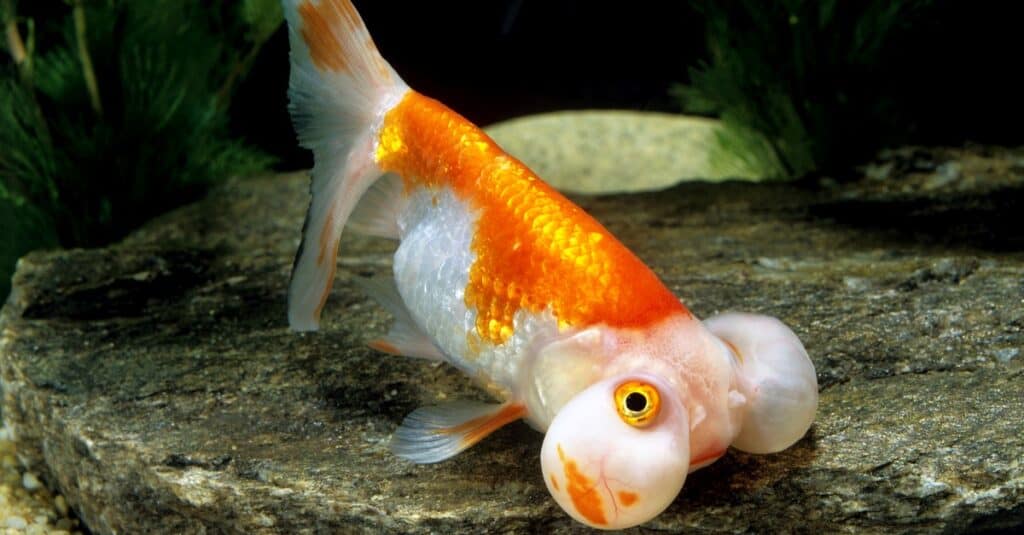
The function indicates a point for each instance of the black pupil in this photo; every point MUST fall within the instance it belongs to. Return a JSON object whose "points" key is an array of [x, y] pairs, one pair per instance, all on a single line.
{"points": [[636, 401]]}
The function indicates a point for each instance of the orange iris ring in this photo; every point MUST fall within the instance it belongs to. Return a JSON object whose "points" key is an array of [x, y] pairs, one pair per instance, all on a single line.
{"points": [[625, 405]]}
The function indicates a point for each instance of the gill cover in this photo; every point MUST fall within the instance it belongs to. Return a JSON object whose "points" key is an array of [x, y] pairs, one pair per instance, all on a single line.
{"points": [[617, 453]]}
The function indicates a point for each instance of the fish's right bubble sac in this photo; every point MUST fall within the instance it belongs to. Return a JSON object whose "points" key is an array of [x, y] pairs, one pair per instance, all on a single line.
{"points": [[617, 453], [774, 374]]}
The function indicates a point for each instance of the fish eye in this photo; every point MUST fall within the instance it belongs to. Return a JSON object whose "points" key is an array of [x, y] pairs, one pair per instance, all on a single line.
{"points": [[637, 403]]}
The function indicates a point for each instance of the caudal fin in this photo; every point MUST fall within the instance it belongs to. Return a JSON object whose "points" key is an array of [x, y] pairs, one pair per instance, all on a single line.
{"points": [[339, 89]]}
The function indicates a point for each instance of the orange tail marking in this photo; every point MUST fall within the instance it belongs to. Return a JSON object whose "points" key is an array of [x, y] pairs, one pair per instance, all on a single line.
{"points": [[330, 276], [337, 38], [318, 22], [325, 239]]}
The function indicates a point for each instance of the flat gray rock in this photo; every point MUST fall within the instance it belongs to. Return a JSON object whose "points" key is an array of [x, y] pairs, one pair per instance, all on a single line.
{"points": [[156, 385]]}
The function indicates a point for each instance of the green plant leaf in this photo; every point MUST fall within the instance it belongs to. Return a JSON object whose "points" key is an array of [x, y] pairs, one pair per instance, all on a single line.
{"points": [[263, 17], [72, 177], [802, 75], [25, 229]]}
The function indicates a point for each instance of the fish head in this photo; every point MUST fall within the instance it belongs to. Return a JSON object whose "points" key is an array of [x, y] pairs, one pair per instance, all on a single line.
{"points": [[618, 452]]}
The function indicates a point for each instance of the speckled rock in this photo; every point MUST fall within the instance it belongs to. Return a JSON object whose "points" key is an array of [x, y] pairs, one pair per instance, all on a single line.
{"points": [[602, 151], [156, 386]]}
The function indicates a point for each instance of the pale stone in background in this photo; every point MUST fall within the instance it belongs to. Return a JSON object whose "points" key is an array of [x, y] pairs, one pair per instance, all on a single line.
{"points": [[606, 151]]}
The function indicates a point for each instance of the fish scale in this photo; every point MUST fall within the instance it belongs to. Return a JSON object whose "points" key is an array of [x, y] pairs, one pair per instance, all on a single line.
{"points": [[432, 266]]}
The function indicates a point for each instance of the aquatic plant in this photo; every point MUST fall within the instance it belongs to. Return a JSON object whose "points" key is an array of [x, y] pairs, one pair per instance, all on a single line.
{"points": [[800, 85], [117, 111]]}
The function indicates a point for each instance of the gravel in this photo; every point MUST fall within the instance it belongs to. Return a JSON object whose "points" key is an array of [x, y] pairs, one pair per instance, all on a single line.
{"points": [[26, 505]]}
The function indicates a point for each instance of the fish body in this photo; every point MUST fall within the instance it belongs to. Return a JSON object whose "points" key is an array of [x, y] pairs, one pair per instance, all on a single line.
{"points": [[513, 266], [503, 277]]}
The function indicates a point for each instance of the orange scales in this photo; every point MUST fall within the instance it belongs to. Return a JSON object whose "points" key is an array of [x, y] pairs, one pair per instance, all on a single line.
{"points": [[534, 248]]}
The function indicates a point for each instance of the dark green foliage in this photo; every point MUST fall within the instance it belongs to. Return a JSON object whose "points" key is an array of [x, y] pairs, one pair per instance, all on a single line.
{"points": [[82, 164], [800, 85]]}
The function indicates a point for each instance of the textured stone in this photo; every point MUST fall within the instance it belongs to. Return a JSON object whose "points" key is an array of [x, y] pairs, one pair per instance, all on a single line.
{"points": [[156, 385]]}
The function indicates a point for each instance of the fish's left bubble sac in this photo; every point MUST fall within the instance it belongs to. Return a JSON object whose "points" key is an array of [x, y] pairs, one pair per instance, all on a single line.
{"points": [[617, 454]]}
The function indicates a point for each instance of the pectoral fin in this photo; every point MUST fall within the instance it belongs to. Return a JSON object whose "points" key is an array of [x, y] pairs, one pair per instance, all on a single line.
{"points": [[435, 433]]}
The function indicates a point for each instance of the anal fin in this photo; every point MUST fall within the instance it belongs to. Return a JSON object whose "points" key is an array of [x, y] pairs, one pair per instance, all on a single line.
{"points": [[405, 337], [434, 433]]}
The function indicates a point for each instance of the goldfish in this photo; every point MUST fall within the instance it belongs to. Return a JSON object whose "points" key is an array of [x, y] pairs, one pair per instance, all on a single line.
{"points": [[499, 275]]}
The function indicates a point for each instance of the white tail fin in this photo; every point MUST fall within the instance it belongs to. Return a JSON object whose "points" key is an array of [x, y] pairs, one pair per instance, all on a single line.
{"points": [[339, 90]]}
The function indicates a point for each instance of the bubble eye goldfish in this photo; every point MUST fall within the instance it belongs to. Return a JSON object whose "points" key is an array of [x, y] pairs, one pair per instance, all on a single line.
{"points": [[499, 275]]}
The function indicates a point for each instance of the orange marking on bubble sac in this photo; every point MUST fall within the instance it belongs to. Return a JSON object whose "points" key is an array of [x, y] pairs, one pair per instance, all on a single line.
{"points": [[534, 248], [554, 482], [476, 429], [627, 498], [582, 491]]}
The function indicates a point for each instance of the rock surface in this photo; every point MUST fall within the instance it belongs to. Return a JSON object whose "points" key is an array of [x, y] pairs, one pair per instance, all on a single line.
{"points": [[155, 383]]}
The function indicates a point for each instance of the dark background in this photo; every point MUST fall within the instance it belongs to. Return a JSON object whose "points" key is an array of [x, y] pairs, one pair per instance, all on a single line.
{"points": [[493, 60], [957, 67]]}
